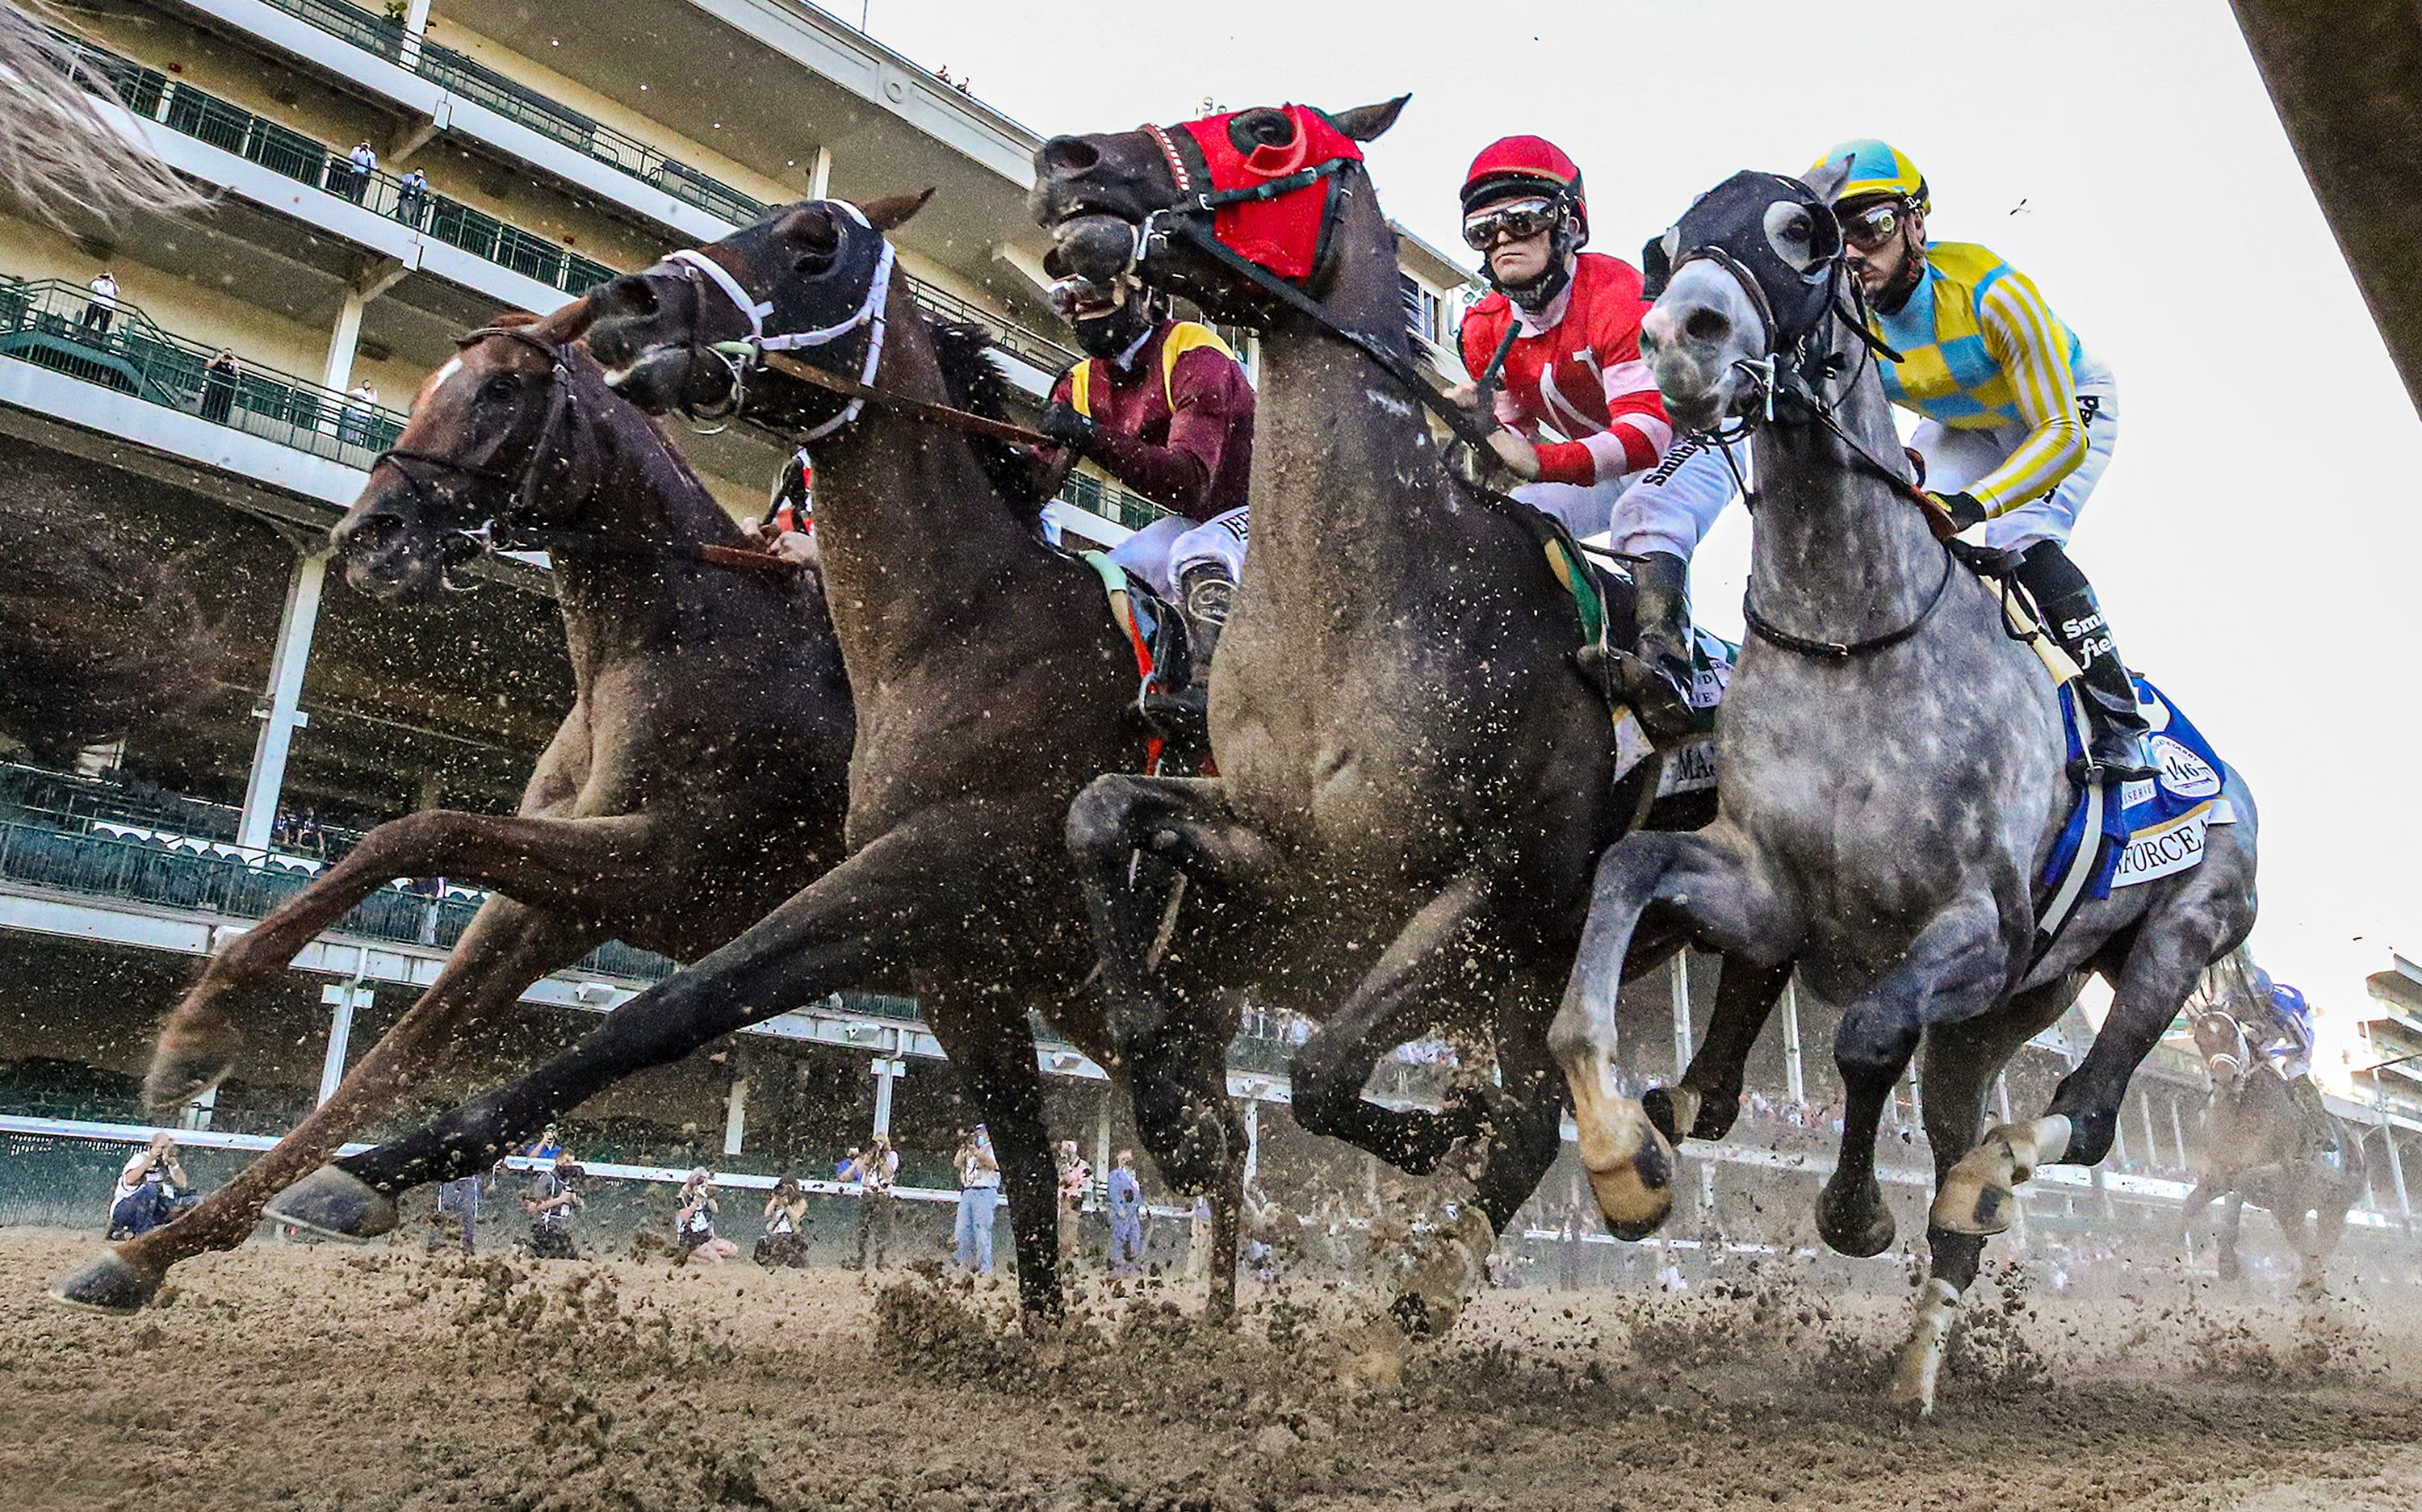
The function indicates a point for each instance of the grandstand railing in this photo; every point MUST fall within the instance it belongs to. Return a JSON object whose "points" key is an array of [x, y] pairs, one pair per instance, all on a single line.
{"points": [[184, 109], [56, 324]]}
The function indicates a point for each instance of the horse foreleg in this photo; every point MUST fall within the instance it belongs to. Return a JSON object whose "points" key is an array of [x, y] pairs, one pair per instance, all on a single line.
{"points": [[1705, 1102], [925, 880], [1953, 971], [2232, 1224], [506, 948], [1959, 1064], [1630, 1163], [992, 1051], [553, 865]]}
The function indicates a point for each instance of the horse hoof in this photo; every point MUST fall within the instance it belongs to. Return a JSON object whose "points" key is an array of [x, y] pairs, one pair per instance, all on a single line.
{"points": [[1979, 1195], [108, 1282], [1673, 1110], [1857, 1224], [336, 1203]]}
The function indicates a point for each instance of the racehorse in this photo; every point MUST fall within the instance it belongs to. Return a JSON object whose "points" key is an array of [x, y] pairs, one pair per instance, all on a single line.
{"points": [[1892, 784], [698, 779], [991, 684], [2255, 1147], [1414, 776]]}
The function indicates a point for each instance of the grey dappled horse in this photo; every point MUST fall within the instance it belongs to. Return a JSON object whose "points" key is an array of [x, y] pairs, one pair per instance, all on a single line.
{"points": [[1886, 808]]}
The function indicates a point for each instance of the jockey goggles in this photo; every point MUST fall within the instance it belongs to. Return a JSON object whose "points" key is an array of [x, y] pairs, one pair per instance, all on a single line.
{"points": [[1872, 226], [1519, 222]]}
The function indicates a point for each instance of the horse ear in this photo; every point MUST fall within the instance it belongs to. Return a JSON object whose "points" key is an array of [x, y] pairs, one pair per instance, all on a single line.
{"points": [[1368, 123], [892, 210], [1826, 179]]}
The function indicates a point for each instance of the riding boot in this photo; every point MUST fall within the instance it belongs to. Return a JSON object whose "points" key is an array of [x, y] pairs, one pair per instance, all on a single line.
{"points": [[2115, 750], [1182, 714], [1656, 679]]}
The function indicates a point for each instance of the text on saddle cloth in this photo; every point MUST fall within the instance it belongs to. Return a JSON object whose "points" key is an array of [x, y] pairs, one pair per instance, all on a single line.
{"points": [[2156, 827]]}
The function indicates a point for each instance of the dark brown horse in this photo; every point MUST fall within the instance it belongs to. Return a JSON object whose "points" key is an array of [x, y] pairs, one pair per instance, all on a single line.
{"points": [[2257, 1148], [991, 685], [698, 781], [1414, 779]]}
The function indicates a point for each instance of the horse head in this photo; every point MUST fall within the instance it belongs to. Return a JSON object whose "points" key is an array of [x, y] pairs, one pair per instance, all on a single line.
{"points": [[1749, 274], [812, 280], [2221, 1041], [1185, 208], [489, 443]]}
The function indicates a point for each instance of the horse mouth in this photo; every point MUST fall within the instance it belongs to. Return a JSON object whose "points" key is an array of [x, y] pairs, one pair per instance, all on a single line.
{"points": [[1095, 245], [663, 378]]}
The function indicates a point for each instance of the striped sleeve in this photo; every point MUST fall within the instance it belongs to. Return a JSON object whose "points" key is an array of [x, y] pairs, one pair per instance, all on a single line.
{"points": [[1636, 413], [2033, 349]]}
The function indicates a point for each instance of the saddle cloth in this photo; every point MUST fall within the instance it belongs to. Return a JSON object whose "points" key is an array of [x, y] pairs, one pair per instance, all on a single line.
{"points": [[1690, 763], [2157, 826]]}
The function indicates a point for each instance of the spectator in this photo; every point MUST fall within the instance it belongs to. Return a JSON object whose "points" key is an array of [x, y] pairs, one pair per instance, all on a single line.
{"points": [[877, 1172], [1075, 1177], [1261, 1217], [545, 1145], [459, 1200], [552, 1196], [101, 307], [359, 165], [353, 423], [979, 1172], [151, 1188], [785, 1210], [411, 197], [845, 1168], [218, 386], [1126, 1218], [694, 1212]]}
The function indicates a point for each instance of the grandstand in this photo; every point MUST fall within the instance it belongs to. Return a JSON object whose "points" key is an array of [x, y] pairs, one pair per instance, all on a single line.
{"points": [[561, 141]]}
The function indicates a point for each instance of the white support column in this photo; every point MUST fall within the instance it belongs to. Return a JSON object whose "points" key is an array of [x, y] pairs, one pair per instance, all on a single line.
{"points": [[1252, 1139], [345, 999], [2152, 1143], [2002, 1097], [283, 714], [2178, 1133], [1795, 1078], [1102, 1134], [887, 1071], [820, 175], [416, 27], [2396, 1163], [1680, 965], [735, 1116], [344, 338], [1916, 1098]]}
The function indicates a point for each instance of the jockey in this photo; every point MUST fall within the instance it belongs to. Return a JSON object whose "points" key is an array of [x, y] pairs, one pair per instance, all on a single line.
{"points": [[1163, 406], [788, 530], [1557, 340], [2284, 1039], [2017, 422]]}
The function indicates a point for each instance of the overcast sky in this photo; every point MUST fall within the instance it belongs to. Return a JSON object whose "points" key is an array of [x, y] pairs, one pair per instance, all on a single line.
{"points": [[2255, 535]]}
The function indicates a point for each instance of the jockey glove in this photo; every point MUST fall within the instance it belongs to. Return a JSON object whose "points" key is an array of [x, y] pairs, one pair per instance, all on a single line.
{"points": [[1067, 428], [1966, 509]]}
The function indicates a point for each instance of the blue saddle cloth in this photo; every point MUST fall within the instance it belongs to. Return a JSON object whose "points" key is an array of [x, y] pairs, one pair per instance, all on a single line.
{"points": [[2157, 826]]}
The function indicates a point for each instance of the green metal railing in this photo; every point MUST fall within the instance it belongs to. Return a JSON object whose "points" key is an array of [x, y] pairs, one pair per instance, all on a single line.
{"points": [[1085, 492], [59, 325], [559, 123], [184, 109]]}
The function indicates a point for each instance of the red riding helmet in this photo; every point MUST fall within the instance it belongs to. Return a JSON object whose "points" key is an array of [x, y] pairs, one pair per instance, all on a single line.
{"points": [[1512, 167]]}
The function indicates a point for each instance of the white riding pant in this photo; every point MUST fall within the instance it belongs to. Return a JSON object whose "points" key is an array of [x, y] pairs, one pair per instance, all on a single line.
{"points": [[1584, 508], [1161, 552], [1672, 505]]}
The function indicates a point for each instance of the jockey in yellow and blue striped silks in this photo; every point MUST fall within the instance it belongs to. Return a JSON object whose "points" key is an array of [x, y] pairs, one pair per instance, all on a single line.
{"points": [[2018, 422]]}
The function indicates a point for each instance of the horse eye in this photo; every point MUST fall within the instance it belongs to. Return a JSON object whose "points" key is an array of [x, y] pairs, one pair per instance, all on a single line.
{"points": [[500, 386], [1790, 231]]}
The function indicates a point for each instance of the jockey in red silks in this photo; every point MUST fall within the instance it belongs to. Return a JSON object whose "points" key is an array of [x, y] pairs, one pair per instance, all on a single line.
{"points": [[1558, 343], [1163, 406], [1567, 322]]}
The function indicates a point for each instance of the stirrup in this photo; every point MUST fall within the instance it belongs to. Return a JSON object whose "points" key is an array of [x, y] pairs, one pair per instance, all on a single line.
{"points": [[2088, 771], [1652, 691]]}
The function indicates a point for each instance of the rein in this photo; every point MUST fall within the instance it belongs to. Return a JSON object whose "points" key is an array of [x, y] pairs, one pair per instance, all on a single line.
{"points": [[508, 534]]}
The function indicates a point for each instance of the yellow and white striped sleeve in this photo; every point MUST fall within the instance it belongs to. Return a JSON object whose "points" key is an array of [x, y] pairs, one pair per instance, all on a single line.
{"points": [[2033, 349]]}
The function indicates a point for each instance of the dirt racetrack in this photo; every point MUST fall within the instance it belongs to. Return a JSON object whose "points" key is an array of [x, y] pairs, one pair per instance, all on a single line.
{"points": [[324, 1376]]}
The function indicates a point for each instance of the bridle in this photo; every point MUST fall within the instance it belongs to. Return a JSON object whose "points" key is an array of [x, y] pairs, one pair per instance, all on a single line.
{"points": [[517, 527], [1798, 378], [762, 350]]}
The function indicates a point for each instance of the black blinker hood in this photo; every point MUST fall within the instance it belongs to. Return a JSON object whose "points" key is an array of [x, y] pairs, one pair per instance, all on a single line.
{"points": [[1728, 225]]}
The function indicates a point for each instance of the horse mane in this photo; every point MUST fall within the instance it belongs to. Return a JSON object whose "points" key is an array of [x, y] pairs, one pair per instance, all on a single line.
{"points": [[975, 383]]}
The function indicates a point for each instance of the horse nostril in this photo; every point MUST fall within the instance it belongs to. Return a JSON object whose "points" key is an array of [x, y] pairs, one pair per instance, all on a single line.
{"points": [[1707, 325], [1065, 156], [371, 532]]}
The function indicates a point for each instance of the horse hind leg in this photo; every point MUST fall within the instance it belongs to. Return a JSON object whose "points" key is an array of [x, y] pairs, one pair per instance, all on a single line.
{"points": [[2229, 1266]]}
